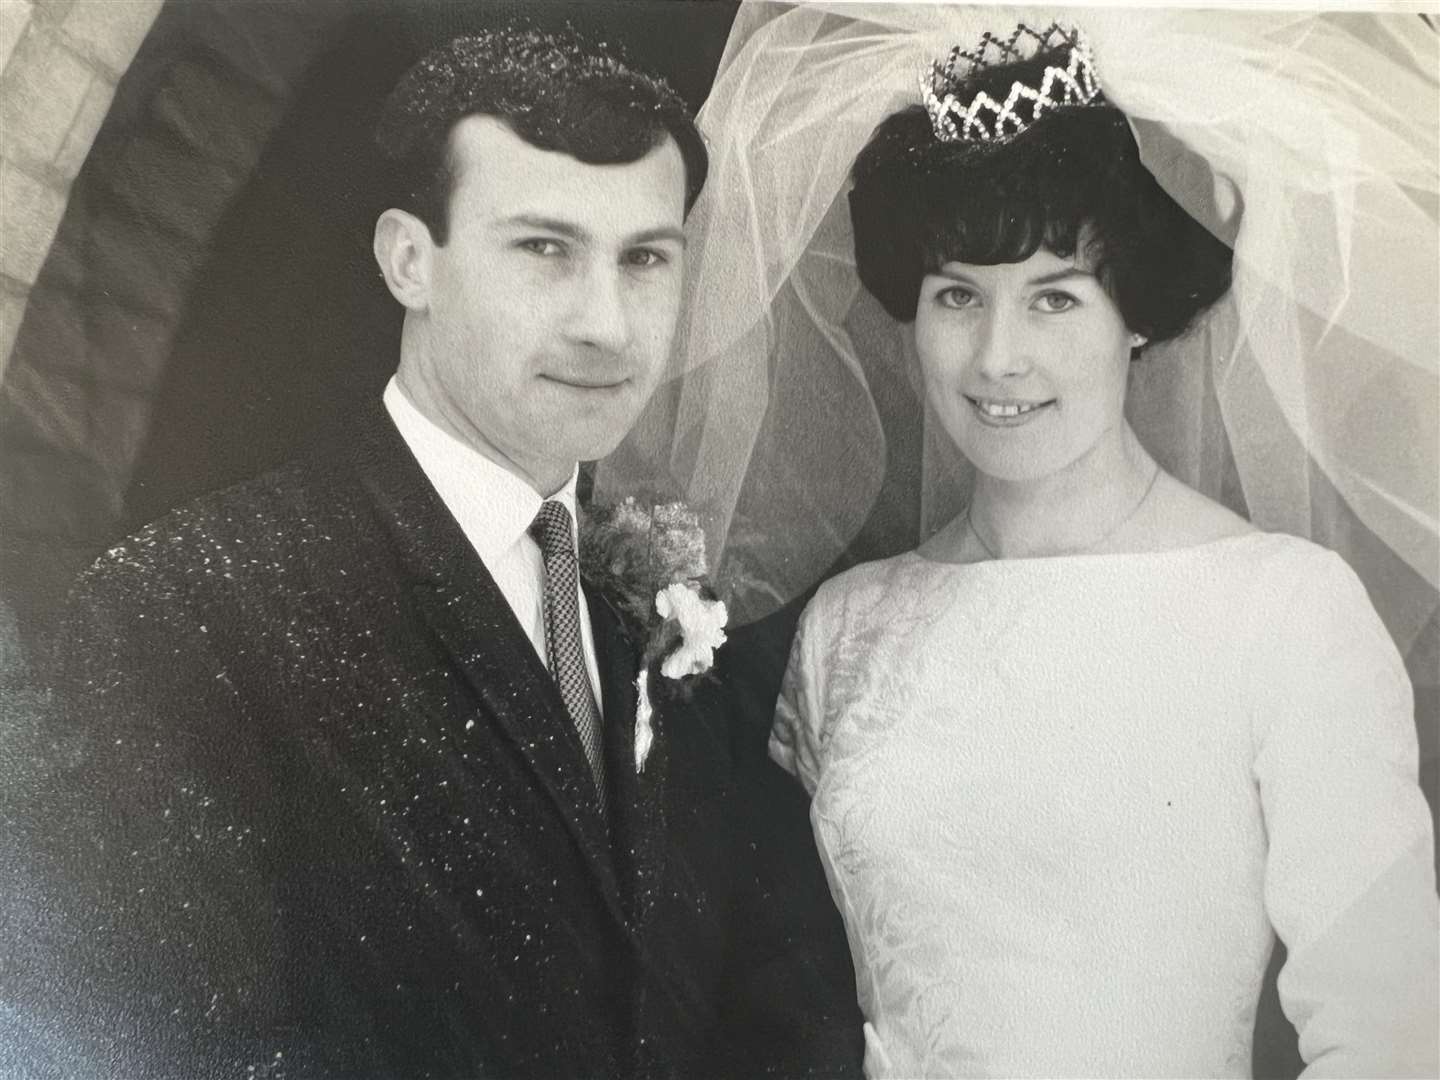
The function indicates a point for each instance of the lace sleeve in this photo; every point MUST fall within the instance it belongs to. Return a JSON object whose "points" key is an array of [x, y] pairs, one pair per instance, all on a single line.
{"points": [[795, 737], [1349, 879]]}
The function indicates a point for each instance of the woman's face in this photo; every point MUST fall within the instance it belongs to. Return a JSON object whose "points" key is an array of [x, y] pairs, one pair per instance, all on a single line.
{"points": [[1025, 363]]}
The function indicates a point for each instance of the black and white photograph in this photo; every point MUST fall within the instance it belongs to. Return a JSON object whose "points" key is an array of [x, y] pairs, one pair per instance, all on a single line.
{"points": [[719, 539]]}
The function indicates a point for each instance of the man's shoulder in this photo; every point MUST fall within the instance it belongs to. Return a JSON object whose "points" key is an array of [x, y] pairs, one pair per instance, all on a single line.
{"points": [[235, 531]]}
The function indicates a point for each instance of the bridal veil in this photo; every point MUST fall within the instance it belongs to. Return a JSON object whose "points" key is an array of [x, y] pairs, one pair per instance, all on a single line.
{"points": [[1307, 399]]}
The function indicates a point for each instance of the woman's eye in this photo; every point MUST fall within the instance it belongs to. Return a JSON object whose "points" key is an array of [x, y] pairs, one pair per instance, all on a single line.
{"points": [[1054, 302], [542, 246], [955, 296]]}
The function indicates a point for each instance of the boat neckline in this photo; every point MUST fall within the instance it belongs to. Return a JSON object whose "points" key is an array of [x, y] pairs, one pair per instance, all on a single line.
{"points": [[1204, 545]]}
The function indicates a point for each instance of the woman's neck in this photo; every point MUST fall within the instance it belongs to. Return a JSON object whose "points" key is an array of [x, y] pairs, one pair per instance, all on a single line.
{"points": [[1080, 508]]}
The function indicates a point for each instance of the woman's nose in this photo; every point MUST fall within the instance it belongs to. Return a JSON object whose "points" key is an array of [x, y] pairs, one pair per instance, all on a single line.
{"points": [[1001, 351]]}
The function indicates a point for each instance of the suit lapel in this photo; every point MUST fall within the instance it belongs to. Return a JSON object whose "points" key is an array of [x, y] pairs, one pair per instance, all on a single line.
{"points": [[637, 807], [478, 634]]}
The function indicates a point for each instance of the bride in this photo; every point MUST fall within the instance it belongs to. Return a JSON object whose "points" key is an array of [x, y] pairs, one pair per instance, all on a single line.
{"points": [[1080, 757], [1074, 759]]}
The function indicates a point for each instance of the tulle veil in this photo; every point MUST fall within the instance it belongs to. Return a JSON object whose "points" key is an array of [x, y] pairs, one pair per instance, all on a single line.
{"points": [[1308, 399]]}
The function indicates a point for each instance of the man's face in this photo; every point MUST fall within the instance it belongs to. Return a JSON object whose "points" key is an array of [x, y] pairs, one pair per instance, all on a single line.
{"points": [[551, 308]]}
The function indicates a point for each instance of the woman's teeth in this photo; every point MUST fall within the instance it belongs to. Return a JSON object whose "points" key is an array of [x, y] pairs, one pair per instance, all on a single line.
{"points": [[993, 408]]}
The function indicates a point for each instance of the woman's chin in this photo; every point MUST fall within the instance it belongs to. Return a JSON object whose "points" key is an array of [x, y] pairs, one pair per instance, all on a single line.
{"points": [[1018, 466]]}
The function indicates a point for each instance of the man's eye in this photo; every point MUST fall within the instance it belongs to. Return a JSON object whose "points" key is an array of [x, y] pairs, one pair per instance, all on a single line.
{"points": [[955, 296], [1055, 302], [644, 257], [543, 246]]}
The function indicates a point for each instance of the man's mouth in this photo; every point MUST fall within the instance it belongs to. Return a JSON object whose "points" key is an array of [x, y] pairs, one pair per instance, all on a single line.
{"points": [[587, 382], [1006, 411]]}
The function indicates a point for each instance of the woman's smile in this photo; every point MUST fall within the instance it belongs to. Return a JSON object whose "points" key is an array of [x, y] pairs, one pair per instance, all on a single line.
{"points": [[1006, 412]]}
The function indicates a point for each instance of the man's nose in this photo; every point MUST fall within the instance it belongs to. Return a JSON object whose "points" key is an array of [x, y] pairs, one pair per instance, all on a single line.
{"points": [[1002, 351], [599, 316]]}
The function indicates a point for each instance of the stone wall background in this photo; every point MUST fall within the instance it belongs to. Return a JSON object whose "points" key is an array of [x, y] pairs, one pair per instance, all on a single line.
{"points": [[60, 61], [128, 128]]}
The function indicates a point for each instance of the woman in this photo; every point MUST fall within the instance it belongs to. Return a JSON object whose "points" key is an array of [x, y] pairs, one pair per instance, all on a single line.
{"points": [[1078, 759], [1078, 756]]}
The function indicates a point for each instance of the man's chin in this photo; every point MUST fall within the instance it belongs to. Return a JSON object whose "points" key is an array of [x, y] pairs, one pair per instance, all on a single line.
{"points": [[591, 425], [580, 445]]}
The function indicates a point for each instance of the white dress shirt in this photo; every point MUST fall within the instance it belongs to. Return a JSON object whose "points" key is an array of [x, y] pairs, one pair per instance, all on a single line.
{"points": [[494, 509]]}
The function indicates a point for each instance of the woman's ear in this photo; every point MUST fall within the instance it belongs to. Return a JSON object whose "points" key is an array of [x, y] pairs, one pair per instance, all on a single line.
{"points": [[1137, 342], [403, 250]]}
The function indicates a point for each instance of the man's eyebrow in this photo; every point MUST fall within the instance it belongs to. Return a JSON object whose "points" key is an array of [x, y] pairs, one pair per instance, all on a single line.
{"points": [[558, 226], [663, 232], [572, 231]]}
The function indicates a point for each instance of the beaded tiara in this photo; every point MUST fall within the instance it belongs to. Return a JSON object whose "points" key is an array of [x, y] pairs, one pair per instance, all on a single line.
{"points": [[983, 119]]}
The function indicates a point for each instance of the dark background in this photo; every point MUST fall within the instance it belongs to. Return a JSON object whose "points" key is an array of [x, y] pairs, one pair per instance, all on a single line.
{"points": [[210, 305]]}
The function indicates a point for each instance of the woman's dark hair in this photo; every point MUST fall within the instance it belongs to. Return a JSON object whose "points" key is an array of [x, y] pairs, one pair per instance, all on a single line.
{"points": [[555, 90], [1075, 174]]}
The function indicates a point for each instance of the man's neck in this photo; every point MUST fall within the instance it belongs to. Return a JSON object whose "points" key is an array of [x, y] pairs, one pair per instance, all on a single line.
{"points": [[435, 408]]}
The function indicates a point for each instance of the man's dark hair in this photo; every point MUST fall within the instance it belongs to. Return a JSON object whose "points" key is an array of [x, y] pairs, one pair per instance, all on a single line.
{"points": [[554, 89], [1073, 176]]}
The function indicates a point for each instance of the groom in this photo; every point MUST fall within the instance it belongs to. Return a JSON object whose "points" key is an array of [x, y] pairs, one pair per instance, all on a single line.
{"points": [[342, 781]]}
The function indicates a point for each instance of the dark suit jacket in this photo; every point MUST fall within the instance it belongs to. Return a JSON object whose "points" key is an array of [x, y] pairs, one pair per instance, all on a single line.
{"points": [[309, 805]]}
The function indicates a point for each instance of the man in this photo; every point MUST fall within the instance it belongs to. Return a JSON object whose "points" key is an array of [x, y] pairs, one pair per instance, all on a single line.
{"points": [[342, 781]]}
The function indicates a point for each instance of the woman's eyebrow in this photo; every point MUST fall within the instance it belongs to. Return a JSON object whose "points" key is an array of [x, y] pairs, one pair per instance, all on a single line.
{"points": [[1061, 275], [954, 275]]}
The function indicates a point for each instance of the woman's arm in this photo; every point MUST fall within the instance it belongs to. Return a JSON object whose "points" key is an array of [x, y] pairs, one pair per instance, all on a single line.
{"points": [[795, 738], [1350, 876]]}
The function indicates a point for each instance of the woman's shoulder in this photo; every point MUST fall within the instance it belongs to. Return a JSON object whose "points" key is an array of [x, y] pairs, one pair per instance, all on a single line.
{"points": [[873, 602], [1276, 590], [1322, 590], [1302, 601], [1177, 516], [863, 581], [1281, 563]]}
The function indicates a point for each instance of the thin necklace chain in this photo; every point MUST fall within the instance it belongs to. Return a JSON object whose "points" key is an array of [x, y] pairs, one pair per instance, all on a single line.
{"points": [[1154, 476]]}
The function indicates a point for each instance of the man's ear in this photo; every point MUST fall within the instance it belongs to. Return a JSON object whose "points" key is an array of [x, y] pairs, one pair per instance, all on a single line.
{"points": [[403, 249]]}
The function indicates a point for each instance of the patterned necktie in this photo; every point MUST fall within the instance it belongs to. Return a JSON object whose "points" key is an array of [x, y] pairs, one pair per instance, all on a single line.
{"points": [[552, 531]]}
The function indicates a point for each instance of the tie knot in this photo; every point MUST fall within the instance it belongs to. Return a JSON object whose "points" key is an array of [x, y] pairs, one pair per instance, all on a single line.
{"points": [[551, 529]]}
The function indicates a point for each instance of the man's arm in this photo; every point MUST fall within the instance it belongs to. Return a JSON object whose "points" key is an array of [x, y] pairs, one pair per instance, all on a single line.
{"points": [[791, 1008], [140, 932]]}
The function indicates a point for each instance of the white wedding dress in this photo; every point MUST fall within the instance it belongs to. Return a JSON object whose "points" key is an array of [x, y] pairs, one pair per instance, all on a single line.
{"points": [[1062, 802]]}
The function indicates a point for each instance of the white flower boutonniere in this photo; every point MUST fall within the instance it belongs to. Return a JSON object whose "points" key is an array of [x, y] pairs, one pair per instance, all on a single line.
{"points": [[702, 629], [701, 626], [651, 561]]}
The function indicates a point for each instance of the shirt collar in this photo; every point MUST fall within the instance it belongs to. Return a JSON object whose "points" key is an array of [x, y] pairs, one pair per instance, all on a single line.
{"points": [[493, 506]]}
